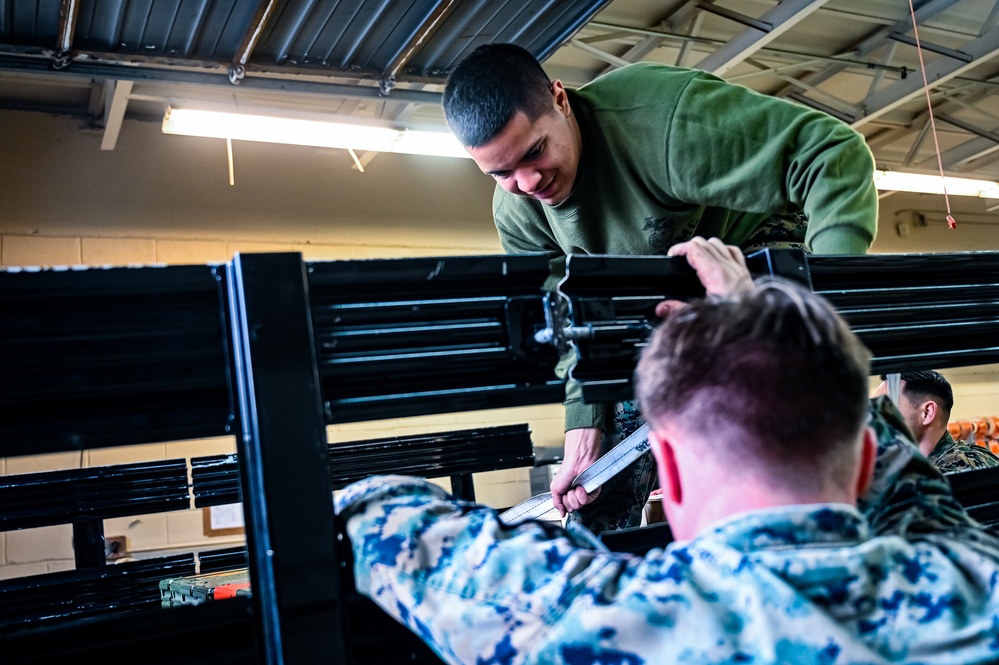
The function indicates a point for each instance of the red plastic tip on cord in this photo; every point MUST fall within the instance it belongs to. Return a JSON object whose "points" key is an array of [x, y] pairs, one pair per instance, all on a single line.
{"points": [[951, 222]]}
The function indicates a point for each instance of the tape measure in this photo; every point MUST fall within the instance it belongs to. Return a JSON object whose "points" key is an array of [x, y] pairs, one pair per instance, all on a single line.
{"points": [[591, 478]]}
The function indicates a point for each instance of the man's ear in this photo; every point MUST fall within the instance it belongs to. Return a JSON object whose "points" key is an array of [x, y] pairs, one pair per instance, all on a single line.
{"points": [[868, 458], [928, 411], [669, 474], [560, 98]]}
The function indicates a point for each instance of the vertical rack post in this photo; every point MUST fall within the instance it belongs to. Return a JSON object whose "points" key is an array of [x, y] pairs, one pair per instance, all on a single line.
{"points": [[284, 464]]}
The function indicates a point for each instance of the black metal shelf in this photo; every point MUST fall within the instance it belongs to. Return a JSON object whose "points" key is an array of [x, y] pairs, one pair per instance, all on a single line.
{"points": [[912, 311], [272, 349]]}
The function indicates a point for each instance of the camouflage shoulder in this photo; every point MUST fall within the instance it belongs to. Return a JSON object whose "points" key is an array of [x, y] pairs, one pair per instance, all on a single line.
{"points": [[887, 420], [962, 456]]}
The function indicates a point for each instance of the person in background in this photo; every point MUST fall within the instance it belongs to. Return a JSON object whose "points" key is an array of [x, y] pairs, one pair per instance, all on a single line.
{"points": [[643, 158], [807, 526], [925, 402]]}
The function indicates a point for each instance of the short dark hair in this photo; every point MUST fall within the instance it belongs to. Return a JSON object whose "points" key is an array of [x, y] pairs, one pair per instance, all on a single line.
{"points": [[928, 384], [487, 89], [775, 375]]}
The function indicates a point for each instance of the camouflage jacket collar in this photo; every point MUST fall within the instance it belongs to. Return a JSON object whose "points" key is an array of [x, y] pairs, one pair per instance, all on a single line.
{"points": [[818, 525], [942, 447]]}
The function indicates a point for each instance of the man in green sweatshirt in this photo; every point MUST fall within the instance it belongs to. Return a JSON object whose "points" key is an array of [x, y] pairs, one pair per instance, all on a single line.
{"points": [[643, 158]]}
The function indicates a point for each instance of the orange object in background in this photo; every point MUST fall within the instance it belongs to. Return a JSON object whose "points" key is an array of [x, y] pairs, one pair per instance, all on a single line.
{"points": [[983, 432]]}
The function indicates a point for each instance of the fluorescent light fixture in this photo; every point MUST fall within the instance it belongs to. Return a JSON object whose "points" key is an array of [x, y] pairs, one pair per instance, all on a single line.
{"points": [[893, 181], [298, 131]]}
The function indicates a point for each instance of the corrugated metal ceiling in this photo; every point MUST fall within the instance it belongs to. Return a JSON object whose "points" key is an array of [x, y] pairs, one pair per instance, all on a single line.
{"points": [[380, 39], [105, 60]]}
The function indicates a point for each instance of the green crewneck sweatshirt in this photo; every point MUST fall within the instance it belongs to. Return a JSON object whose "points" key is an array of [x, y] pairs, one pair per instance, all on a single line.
{"points": [[670, 153]]}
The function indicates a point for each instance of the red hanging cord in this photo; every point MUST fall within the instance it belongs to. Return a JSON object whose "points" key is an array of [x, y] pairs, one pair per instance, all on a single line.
{"points": [[951, 222]]}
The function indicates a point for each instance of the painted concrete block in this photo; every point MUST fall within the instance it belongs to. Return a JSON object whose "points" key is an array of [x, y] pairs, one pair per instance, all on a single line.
{"points": [[40, 251]]}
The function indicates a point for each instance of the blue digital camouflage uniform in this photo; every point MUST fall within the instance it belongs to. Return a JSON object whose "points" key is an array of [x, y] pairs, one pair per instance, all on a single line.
{"points": [[949, 455], [905, 577]]}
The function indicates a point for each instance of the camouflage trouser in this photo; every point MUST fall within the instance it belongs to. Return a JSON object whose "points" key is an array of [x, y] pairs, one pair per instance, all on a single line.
{"points": [[778, 232], [622, 498]]}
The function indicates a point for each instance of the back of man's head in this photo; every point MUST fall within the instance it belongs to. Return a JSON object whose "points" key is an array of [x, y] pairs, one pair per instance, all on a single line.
{"points": [[487, 89], [926, 385], [773, 378]]}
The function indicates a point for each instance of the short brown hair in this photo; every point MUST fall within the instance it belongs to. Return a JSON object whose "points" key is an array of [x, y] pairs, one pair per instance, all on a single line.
{"points": [[919, 386], [774, 374], [489, 87]]}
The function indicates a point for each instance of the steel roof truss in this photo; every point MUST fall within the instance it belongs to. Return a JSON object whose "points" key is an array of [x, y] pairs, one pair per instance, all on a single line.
{"points": [[937, 72], [771, 25]]}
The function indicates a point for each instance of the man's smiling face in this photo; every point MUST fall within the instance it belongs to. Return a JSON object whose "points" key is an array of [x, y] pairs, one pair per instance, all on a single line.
{"points": [[535, 158]]}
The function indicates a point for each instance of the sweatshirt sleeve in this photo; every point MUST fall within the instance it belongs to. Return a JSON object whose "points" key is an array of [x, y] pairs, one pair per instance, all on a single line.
{"points": [[578, 413], [731, 147]]}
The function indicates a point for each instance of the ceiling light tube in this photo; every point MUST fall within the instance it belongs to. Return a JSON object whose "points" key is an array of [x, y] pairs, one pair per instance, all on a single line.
{"points": [[894, 181], [299, 131]]}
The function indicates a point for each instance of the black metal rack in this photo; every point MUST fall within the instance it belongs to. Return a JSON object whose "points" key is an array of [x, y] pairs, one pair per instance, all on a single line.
{"points": [[913, 311], [103, 357], [272, 349], [417, 336]]}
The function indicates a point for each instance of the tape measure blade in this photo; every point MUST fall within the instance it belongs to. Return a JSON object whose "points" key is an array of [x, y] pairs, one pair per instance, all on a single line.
{"points": [[531, 508], [620, 456]]}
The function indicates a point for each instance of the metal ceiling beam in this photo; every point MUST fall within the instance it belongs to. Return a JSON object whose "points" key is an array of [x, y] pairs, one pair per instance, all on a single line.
{"points": [[67, 25], [879, 38], [940, 71], [929, 46], [886, 137], [237, 70], [954, 157], [963, 156], [819, 106], [969, 127], [735, 16], [985, 143], [678, 19], [764, 70], [771, 25], [879, 75], [430, 25], [99, 94], [687, 47], [990, 20], [918, 142], [252, 81], [599, 54], [794, 56], [844, 108], [114, 115]]}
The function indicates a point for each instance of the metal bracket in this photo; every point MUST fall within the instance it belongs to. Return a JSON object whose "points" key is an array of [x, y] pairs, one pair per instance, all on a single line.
{"points": [[557, 330], [236, 74], [61, 60]]}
